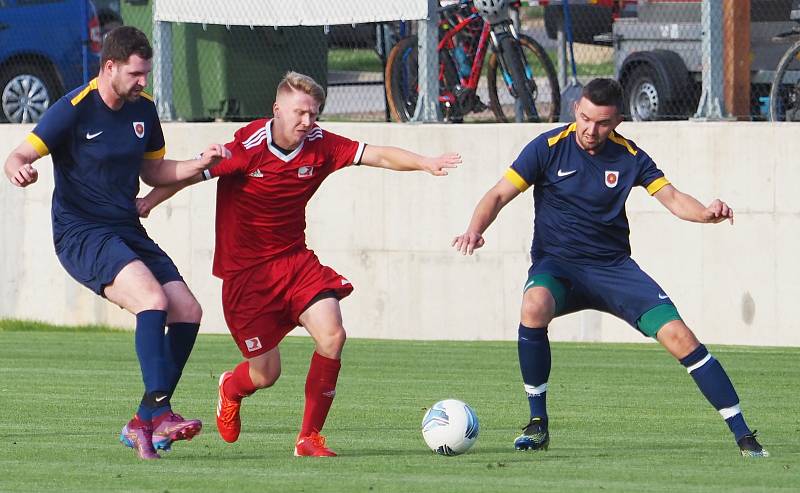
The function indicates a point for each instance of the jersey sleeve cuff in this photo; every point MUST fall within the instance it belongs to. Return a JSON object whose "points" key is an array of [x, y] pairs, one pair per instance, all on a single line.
{"points": [[156, 154], [657, 185], [359, 153], [38, 144], [516, 180]]}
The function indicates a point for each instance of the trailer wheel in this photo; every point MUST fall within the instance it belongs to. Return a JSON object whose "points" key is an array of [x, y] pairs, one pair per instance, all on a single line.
{"points": [[644, 95]]}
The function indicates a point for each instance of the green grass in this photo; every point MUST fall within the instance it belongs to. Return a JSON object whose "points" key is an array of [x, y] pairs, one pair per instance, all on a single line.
{"points": [[623, 418], [359, 60]]}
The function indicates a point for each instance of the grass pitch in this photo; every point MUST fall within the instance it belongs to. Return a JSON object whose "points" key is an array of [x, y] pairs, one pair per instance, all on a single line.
{"points": [[623, 418]]}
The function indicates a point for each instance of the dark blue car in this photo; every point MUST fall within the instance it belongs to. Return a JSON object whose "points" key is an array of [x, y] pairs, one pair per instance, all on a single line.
{"points": [[47, 47]]}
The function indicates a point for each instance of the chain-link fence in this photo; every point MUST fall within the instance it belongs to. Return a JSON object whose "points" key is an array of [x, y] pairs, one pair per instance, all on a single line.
{"points": [[654, 48], [229, 72]]}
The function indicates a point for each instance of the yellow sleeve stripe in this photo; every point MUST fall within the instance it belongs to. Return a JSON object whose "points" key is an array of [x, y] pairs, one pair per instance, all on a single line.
{"points": [[564, 133], [86, 90], [516, 180], [657, 185], [623, 142], [37, 144], [156, 154], [147, 96]]}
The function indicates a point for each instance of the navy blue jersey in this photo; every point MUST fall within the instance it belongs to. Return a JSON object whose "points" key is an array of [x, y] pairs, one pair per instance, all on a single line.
{"points": [[97, 155], [579, 199]]}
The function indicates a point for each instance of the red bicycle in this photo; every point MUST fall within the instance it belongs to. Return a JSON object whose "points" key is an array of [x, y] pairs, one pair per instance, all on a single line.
{"points": [[519, 81]]}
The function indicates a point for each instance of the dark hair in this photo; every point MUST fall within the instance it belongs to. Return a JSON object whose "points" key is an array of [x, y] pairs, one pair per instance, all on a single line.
{"points": [[604, 92], [124, 41]]}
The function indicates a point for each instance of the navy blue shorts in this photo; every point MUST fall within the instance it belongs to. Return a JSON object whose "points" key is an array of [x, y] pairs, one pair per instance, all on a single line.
{"points": [[623, 290], [93, 254]]}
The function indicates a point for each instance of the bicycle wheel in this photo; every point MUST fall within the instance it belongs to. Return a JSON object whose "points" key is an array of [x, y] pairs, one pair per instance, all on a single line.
{"points": [[402, 84], [541, 91], [784, 96]]}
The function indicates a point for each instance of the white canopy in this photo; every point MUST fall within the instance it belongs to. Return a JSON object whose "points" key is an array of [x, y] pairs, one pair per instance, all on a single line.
{"points": [[288, 12]]}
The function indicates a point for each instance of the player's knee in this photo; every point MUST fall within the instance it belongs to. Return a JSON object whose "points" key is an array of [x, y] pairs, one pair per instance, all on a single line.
{"points": [[677, 338], [266, 377], [331, 344], [154, 299], [189, 311], [538, 310]]}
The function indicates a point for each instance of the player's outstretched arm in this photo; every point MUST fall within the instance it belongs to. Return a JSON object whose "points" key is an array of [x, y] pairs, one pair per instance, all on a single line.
{"points": [[159, 194], [689, 208], [19, 165], [398, 159], [485, 213], [162, 172]]}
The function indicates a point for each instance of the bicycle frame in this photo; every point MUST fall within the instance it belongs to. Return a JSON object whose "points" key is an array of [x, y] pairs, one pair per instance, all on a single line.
{"points": [[488, 32], [448, 43], [466, 36]]}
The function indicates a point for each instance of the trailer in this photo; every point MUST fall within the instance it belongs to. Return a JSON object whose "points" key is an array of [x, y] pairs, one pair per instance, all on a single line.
{"points": [[658, 54]]}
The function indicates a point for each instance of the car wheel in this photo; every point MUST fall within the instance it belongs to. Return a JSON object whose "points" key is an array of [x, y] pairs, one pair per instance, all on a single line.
{"points": [[26, 91]]}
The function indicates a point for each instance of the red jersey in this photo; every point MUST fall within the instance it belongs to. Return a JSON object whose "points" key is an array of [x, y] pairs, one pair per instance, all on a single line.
{"points": [[262, 193]]}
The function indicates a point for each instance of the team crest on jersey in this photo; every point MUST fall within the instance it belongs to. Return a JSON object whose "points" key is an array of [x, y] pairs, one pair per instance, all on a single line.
{"points": [[138, 129], [305, 171], [612, 177]]}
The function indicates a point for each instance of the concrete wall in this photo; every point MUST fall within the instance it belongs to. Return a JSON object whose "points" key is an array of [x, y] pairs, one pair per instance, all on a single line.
{"points": [[390, 234]]}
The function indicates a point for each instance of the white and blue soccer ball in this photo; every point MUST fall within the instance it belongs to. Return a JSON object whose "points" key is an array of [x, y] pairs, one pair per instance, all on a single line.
{"points": [[450, 427]]}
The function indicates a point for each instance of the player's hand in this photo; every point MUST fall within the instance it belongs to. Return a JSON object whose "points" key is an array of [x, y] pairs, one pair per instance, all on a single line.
{"points": [[438, 165], [717, 212], [468, 242], [213, 155], [143, 207], [24, 176]]}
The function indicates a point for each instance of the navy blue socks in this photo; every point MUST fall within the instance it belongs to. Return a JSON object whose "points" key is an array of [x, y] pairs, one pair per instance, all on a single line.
{"points": [[533, 348], [150, 349], [715, 385], [179, 343]]}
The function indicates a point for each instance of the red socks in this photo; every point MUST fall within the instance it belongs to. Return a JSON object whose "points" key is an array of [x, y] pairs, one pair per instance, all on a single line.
{"points": [[320, 390], [239, 385]]}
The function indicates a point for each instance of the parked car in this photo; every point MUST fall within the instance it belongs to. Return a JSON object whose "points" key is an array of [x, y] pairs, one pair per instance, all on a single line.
{"points": [[46, 49]]}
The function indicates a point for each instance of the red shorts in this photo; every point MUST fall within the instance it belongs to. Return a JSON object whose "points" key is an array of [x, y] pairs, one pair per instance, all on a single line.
{"points": [[264, 303]]}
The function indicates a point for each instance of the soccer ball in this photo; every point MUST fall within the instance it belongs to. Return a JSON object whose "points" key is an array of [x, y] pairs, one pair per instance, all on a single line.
{"points": [[450, 427]]}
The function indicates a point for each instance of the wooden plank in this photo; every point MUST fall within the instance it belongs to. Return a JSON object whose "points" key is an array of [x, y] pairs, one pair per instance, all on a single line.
{"points": [[737, 56]]}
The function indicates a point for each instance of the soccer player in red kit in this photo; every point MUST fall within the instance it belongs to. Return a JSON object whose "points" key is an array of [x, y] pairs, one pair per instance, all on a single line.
{"points": [[272, 282]]}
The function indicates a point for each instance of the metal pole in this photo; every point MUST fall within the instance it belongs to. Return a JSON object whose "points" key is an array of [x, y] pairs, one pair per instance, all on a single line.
{"points": [[519, 111], [384, 57], [85, 44], [712, 99], [428, 37], [162, 70], [561, 41]]}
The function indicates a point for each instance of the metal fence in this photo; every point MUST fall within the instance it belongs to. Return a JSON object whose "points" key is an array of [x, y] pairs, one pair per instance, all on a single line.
{"points": [[218, 72], [655, 49]]}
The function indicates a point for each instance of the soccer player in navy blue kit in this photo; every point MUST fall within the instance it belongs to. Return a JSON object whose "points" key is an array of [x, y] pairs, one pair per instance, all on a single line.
{"points": [[582, 175], [102, 136]]}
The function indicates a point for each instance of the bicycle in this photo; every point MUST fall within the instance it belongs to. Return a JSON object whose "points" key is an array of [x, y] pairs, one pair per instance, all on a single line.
{"points": [[784, 95], [521, 83]]}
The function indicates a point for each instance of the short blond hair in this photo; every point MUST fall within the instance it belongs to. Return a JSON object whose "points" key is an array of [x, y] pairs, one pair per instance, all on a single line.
{"points": [[294, 81]]}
